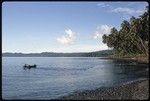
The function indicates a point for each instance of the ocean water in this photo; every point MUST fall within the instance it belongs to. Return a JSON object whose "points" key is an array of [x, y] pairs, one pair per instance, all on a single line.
{"points": [[58, 76]]}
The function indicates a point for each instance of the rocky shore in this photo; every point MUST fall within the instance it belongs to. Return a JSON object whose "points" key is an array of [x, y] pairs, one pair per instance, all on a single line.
{"points": [[136, 90]]}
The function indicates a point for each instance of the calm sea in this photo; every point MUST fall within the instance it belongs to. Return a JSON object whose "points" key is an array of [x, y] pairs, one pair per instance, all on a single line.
{"points": [[58, 76]]}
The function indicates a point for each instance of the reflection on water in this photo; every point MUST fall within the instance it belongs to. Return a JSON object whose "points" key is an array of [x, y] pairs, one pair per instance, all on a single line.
{"points": [[56, 77]]}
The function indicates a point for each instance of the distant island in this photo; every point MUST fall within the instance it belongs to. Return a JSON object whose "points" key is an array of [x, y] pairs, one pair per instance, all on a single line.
{"points": [[103, 53]]}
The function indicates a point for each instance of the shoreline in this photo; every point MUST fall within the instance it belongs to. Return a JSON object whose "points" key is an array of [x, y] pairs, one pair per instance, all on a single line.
{"points": [[137, 59], [134, 90]]}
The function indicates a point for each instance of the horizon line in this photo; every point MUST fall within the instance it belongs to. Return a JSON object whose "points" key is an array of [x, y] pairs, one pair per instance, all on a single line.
{"points": [[54, 52]]}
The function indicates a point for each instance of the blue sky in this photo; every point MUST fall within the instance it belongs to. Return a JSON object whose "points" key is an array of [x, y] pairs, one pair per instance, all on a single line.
{"points": [[34, 27]]}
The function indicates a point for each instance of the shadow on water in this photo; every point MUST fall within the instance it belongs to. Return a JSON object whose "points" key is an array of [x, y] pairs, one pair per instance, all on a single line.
{"points": [[132, 67]]}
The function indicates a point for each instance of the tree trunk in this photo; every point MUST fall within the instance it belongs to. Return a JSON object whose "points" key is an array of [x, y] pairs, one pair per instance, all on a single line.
{"points": [[144, 47]]}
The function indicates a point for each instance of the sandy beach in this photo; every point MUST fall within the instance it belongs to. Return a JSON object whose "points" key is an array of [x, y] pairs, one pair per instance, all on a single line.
{"points": [[136, 90]]}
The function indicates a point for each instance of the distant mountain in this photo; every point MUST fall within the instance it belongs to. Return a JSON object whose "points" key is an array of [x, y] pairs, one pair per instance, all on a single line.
{"points": [[103, 53]]}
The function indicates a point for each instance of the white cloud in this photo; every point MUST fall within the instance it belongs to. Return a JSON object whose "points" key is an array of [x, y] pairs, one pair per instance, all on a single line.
{"points": [[127, 11], [68, 38], [101, 30], [135, 3], [103, 4]]}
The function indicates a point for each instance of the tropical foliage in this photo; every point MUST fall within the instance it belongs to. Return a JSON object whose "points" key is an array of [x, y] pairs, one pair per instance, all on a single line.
{"points": [[132, 38]]}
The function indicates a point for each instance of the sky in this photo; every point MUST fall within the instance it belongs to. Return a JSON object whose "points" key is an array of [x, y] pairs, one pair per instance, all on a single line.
{"points": [[35, 27]]}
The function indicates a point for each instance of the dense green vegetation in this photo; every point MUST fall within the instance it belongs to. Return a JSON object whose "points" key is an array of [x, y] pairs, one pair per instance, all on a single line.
{"points": [[132, 38]]}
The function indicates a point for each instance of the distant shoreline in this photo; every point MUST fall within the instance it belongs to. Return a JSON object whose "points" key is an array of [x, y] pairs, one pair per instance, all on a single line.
{"points": [[64, 56], [137, 90], [103, 53]]}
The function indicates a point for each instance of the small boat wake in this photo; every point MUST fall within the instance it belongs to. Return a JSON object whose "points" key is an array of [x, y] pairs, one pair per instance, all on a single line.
{"points": [[61, 69]]}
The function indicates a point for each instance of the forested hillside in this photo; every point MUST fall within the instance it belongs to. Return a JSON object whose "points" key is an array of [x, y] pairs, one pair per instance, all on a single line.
{"points": [[103, 53]]}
